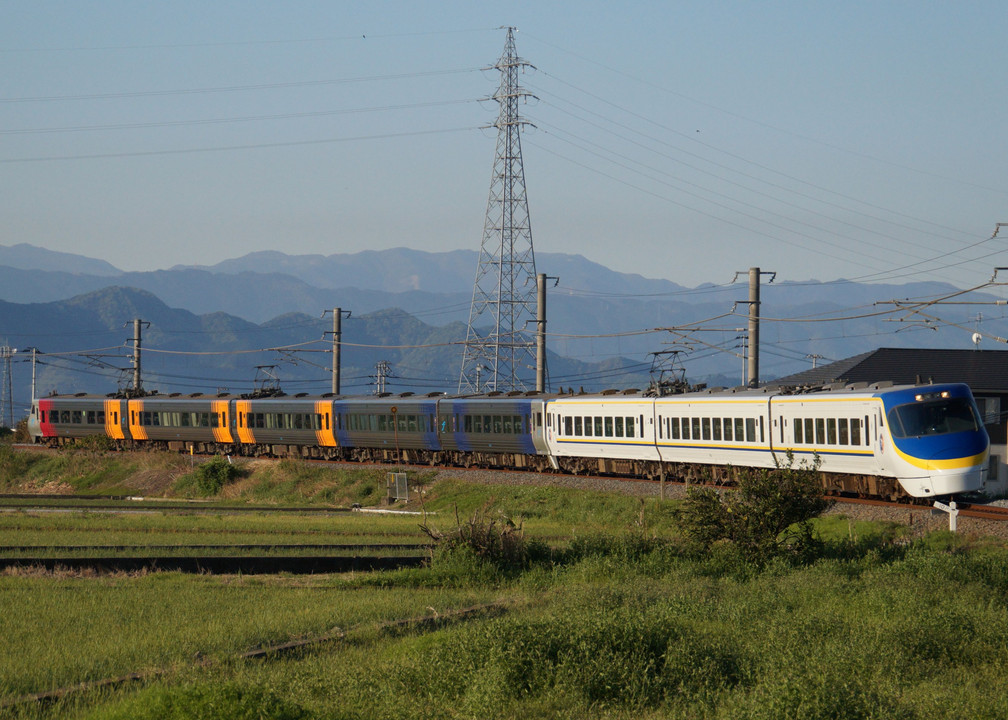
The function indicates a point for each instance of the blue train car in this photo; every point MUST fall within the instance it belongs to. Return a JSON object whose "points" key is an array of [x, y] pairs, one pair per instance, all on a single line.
{"points": [[386, 429], [493, 430]]}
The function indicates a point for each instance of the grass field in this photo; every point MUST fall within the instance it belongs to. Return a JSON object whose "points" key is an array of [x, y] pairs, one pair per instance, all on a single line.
{"points": [[614, 616]]}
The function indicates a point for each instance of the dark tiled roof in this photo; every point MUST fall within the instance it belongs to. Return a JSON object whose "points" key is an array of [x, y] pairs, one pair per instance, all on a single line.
{"points": [[982, 370]]}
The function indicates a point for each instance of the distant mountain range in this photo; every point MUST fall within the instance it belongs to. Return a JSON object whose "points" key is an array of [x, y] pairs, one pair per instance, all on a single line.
{"points": [[62, 302]]}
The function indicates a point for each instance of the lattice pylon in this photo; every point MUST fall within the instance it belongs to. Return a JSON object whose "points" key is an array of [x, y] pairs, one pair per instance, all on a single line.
{"points": [[499, 351]]}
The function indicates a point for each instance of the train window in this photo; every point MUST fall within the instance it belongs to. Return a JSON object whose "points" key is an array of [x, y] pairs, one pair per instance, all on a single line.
{"points": [[538, 419], [630, 431], [508, 425], [497, 425], [820, 431], [641, 426], [798, 432], [706, 428], [855, 431], [468, 424], [577, 427], [695, 429], [101, 417], [809, 431], [716, 427], [831, 436], [608, 427], [618, 428], [750, 429], [487, 423], [90, 417], [843, 436], [686, 425], [77, 417], [674, 428], [588, 427], [597, 431], [569, 425], [519, 426], [762, 435], [727, 429]]}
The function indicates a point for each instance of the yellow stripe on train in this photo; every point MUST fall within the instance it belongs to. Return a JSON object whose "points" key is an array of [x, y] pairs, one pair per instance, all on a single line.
{"points": [[135, 411], [113, 423], [222, 430], [326, 434]]}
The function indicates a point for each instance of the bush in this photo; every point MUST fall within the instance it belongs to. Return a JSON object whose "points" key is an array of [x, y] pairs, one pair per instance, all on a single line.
{"points": [[499, 541], [769, 510], [211, 477]]}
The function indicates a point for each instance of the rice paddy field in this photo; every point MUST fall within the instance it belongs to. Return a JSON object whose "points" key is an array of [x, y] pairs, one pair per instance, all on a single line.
{"points": [[609, 613]]}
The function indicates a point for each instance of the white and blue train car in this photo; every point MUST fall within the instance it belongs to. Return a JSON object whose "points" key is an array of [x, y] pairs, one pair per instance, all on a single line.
{"points": [[602, 433], [920, 441]]}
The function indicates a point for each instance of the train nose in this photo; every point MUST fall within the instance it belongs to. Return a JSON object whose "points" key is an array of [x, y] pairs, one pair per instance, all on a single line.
{"points": [[951, 482]]}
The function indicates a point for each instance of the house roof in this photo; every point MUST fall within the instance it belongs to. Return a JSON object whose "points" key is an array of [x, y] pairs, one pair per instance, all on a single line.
{"points": [[982, 370]]}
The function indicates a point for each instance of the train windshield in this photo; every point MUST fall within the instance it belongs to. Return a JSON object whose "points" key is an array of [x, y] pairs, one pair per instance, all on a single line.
{"points": [[949, 415]]}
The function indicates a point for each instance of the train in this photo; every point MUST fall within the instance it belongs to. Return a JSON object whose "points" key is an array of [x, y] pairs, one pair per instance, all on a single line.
{"points": [[880, 440]]}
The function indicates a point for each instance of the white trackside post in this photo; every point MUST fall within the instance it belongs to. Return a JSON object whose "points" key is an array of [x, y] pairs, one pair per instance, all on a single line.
{"points": [[952, 510]]}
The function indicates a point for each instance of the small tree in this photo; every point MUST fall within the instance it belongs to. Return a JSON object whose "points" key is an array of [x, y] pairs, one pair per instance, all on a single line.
{"points": [[769, 510]]}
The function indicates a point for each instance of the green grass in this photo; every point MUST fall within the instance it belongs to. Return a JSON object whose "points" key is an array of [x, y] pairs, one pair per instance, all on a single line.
{"points": [[621, 618], [623, 632]]}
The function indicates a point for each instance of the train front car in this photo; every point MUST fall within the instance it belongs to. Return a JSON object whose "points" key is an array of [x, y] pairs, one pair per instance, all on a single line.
{"points": [[937, 444]]}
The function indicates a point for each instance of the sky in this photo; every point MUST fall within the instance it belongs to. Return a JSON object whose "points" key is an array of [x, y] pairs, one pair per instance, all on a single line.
{"points": [[684, 141]]}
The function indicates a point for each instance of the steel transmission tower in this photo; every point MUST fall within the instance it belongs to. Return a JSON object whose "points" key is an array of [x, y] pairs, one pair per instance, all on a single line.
{"points": [[499, 351]]}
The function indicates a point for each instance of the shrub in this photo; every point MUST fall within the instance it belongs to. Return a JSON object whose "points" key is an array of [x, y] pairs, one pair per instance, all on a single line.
{"points": [[21, 431], [211, 477], [500, 541], [769, 510]]}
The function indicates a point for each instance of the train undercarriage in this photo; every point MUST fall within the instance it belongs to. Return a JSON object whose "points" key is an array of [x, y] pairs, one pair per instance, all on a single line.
{"points": [[689, 473]]}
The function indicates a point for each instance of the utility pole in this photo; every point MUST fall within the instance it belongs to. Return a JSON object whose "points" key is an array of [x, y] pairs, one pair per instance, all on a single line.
{"points": [[34, 359], [754, 318], [7, 396], [337, 333], [137, 374], [382, 369], [502, 298], [541, 371]]}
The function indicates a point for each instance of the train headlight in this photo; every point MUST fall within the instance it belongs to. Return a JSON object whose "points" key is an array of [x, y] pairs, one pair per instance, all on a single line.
{"points": [[944, 394]]}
